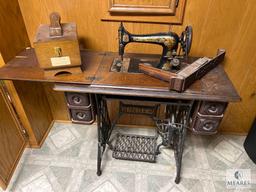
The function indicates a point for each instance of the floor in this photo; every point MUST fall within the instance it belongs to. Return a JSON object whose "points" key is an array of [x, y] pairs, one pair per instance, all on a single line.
{"points": [[67, 162]]}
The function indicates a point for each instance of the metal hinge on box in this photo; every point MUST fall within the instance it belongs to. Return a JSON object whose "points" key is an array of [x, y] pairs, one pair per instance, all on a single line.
{"points": [[6, 92]]}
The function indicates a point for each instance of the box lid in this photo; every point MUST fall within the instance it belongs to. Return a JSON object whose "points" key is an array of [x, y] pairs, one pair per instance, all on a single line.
{"points": [[43, 35]]}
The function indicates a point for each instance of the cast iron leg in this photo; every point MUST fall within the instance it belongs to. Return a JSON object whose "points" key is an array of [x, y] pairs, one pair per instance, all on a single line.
{"points": [[104, 129], [179, 152], [99, 155], [99, 160], [173, 130]]}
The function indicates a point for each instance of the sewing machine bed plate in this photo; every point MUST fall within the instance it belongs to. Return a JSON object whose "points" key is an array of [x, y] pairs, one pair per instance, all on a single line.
{"points": [[97, 78], [131, 65]]}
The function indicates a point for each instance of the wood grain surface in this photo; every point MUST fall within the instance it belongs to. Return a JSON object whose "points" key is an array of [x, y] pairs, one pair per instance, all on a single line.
{"points": [[36, 107], [57, 102], [32, 72], [219, 25], [13, 37], [213, 86], [92, 32], [12, 142], [146, 16], [20, 108], [67, 45], [13, 34], [216, 24], [140, 7]]}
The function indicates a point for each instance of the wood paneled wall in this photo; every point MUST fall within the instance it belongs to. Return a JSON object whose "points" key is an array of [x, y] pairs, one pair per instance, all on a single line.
{"points": [[13, 34], [228, 24]]}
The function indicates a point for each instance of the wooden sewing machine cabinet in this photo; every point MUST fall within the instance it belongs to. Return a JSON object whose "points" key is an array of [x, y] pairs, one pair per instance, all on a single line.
{"points": [[86, 92]]}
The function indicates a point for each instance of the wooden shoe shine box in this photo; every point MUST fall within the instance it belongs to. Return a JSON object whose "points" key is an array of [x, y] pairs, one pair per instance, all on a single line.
{"points": [[56, 46]]}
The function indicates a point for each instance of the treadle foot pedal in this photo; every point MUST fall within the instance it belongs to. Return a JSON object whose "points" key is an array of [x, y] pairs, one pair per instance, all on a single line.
{"points": [[135, 148]]}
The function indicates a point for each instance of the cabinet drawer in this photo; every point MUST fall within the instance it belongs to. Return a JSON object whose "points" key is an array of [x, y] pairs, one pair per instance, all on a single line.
{"points": [[212, 108], [206, 125], [83, 116], [78, 99]]}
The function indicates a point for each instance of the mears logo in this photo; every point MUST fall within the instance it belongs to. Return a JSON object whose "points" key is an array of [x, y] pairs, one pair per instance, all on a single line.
{"points": [[238, 175], [238, 178]]}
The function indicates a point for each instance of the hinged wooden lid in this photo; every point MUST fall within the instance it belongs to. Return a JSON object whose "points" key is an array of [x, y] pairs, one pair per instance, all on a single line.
{"points": [[56, 30]]}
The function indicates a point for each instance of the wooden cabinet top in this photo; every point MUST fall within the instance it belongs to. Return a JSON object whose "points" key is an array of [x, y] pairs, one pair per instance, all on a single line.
{"points": [[97, 78]]}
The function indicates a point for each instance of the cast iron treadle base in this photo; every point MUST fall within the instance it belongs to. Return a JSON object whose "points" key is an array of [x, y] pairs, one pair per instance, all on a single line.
{"points": [[135, 147]]}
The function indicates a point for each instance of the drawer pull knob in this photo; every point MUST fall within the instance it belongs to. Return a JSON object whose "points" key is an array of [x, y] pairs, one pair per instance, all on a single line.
{"points": [[77, 100], [213, 109], [208, 126], [81, 115]]}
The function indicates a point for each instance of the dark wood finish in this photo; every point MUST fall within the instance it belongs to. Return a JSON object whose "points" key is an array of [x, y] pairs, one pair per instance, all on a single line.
{"points": [[97, 78], [31, 70], [214, 86], [81, 107], [146, 93], [12, 142], [166, 7], [239, 116], [138, 85], [212, 28], [132, 80], [205, 125], [142, 11], [63, 71], [196, 70], [207, 117], [78, 99], [25, 67], [155, 72], [212, 108], [82, 116], [181, 80]]}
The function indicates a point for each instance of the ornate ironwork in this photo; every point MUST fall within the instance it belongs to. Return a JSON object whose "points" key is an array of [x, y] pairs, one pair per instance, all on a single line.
{"points": [[135, 147], [138, 109], [172, 130], [104, 128]]}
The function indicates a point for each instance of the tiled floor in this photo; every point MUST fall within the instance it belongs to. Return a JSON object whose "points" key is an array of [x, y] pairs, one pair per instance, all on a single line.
{"points": [[67, 162]]}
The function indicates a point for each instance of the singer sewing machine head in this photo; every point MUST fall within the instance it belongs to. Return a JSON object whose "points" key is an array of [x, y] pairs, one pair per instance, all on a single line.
{"points": [[169, 41]]}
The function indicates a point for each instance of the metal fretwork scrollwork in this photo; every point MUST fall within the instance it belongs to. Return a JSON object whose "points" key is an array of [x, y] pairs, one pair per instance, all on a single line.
{"points": [[173, 130]]}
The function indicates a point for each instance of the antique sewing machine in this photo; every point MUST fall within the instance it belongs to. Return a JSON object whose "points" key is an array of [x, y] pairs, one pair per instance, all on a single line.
{"points": [[174, 47]]}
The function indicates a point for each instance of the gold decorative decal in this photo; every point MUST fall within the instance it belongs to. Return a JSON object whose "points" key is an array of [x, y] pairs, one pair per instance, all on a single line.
{"points": [[125, 38], [167, 40]]}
